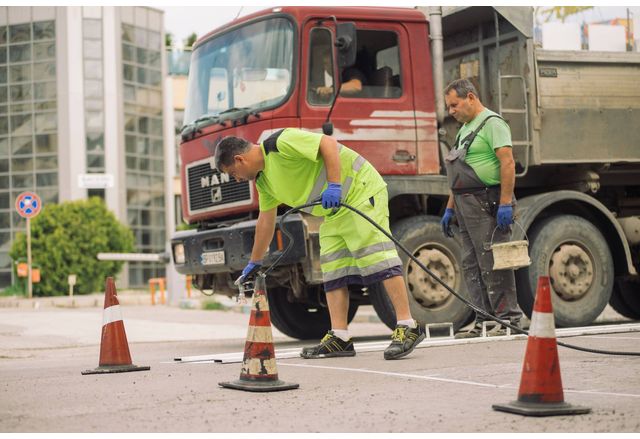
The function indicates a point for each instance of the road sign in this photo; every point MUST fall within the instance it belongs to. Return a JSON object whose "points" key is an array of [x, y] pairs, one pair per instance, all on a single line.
{"points": [[28, 204]]}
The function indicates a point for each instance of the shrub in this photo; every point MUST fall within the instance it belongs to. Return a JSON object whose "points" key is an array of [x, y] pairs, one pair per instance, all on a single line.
{"points": [[65, 239]]}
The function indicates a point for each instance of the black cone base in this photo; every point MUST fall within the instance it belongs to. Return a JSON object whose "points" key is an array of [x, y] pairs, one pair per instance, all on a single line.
{"points": [[541, 409], [115, 369], [259, 386]]}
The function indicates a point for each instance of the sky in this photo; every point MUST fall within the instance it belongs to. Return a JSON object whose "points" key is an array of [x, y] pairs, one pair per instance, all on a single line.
{"points": [[181, 21]]}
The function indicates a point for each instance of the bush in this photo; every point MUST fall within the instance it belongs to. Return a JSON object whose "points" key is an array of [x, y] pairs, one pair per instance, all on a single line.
{"points": [[65, 239]]}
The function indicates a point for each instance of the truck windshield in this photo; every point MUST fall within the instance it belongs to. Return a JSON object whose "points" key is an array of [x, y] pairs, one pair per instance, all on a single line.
{"points": [[250, 67]]}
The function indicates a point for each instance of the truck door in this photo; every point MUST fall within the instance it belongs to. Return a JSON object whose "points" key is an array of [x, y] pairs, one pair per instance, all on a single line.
{"points": [[375, 118]]}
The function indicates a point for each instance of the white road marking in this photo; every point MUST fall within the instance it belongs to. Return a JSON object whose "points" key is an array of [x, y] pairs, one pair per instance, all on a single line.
{"points": [[448, 380]]}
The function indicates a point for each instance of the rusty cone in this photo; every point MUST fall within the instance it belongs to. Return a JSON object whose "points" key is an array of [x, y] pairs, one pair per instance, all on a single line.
{"points": [[259, 372], [540, 392], [114, 349]]}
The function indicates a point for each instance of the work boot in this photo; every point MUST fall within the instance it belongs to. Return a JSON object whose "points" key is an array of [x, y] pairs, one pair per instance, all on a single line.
{"points": [[474, 332], [330, 346], [404, 340]]}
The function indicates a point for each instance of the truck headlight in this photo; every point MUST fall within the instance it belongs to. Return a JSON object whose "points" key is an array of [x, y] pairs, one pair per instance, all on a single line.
{"points": [[178, 254]]}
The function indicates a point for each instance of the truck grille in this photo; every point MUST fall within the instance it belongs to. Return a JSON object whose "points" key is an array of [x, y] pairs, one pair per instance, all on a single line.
{"points": [[208, 190]]}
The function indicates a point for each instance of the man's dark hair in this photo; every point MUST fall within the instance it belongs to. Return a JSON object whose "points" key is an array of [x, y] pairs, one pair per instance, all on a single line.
{"points": [[228, 148], [462, 88]]}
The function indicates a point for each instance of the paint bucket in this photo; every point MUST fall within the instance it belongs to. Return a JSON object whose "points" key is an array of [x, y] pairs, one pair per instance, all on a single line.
{"points": [[510, 255]]}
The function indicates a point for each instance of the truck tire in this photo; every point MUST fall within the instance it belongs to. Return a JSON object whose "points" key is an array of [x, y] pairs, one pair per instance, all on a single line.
{"points": [[303, 321], [625, 298], [429, 301], [576, 257]]}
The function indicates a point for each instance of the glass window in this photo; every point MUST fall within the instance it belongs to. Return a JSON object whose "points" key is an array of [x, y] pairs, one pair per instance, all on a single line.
{"points": [[95, 142], [127, 72], [44, 30], [153, 58], [142, 56], [127, 33], [143, 125], [19, 33], [46, 143], [155, 40], [128, 53], [20, 92], [157, 165], [4, 165], [21, 124], [5, 199], [142, 75], [47, 179], [4, 109], [92, 28], [21, 145], [93, 69], [155, 99], [51, 105], [95, 161], [22, 181], [155, 126], [250, 66], [141, 37], [93, 89], [5, 220], [3, 55], [45, 90], [3, 75], [143, 146], [93, 49], [129, 93], [94, 121], [25, 107], [4, 149], [4, 126], [46, 122], [3, 34], [42, 51], [143, 162], [48, 196], [129, 122], [130, 144], [22, 164], [132, 162], [3, 94], [154, 78], [321, 68], [20, 53], [20, 73], [44, 163]]}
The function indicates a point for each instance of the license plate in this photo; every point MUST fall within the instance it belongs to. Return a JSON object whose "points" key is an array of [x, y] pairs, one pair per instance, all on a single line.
{"points": [[212, 258]]}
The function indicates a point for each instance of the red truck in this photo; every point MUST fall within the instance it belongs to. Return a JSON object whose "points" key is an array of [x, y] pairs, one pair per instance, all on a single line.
{"points": [[574, 120]]}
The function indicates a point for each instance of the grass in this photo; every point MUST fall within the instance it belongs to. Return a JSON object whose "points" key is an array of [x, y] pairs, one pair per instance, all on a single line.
{"points": [[212, 305], [13, 290]]}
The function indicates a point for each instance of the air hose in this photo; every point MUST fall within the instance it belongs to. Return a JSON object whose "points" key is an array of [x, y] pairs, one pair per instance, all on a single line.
{"points": [[290, 240]]}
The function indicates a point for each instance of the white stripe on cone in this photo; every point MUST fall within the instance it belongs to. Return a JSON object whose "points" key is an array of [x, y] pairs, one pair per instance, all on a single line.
{"points": [[542, 325], [111, 314]]}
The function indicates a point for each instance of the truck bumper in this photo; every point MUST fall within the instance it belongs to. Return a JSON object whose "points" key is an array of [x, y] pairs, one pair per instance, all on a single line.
{"points": [[228, 249]]}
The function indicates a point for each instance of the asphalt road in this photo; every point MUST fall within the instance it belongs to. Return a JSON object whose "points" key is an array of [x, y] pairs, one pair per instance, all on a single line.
{"points": [[436, 389]]}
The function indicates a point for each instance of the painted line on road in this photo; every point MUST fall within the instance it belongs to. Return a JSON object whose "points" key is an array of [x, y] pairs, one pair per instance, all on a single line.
{"points": [[449, 380]]}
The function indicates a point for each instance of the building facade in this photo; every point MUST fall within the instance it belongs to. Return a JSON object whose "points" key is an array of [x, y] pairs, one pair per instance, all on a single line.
{"points": [[82, 92]]}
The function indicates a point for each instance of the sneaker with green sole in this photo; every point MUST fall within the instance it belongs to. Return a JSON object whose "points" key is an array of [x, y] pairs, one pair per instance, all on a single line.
{"points": [[404, 340], [329, 346]]}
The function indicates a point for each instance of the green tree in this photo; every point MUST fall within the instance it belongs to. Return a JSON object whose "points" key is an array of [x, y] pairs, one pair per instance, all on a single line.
{"points": [[65, 239], [168, 40], [190, 40]]}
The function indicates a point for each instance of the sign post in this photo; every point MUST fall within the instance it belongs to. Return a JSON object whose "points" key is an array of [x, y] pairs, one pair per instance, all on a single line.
{"points": [[28, 205]]}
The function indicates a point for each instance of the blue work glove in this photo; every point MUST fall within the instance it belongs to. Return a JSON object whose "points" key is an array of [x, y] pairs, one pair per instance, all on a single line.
{"points": [[445, 222], [251, 269], [331, 197], [505, 216]]}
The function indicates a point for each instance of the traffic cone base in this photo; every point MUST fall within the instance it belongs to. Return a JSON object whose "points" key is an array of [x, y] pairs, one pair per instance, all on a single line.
{"points": [[541, 409], [114, 348], [259, 372], [115, 369], [540, 392]]}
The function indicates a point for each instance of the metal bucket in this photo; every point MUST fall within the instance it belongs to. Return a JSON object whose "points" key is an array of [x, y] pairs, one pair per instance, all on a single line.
{"points": [[510, 255]]}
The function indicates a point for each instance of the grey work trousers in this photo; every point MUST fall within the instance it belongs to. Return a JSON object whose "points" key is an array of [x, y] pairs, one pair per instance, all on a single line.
{"points": [[493, 291]]}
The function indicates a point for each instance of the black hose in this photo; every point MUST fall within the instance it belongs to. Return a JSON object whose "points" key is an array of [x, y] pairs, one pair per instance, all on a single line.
{"points": [[421, 265]]}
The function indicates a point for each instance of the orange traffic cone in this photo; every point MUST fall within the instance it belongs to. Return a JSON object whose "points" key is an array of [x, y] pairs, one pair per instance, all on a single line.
{"points": [[259, 372], [540, 392], [114, 349]]}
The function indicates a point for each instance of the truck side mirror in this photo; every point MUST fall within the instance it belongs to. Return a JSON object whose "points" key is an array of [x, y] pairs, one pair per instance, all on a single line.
{"points": [[347, 44]]}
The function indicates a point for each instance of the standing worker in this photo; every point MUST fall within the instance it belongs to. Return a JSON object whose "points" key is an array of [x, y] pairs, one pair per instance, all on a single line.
{"points": [[481, 175], [296, 167]]}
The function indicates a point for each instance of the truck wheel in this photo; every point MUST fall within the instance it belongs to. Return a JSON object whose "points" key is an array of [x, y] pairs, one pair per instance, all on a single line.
{"points": [[625, 298], [303, 321], [574, 254], [429, 301]]}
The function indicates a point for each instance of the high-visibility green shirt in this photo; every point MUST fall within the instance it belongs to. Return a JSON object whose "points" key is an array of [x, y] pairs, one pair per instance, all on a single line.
{"points": [[481, 155], [294, 172]]}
